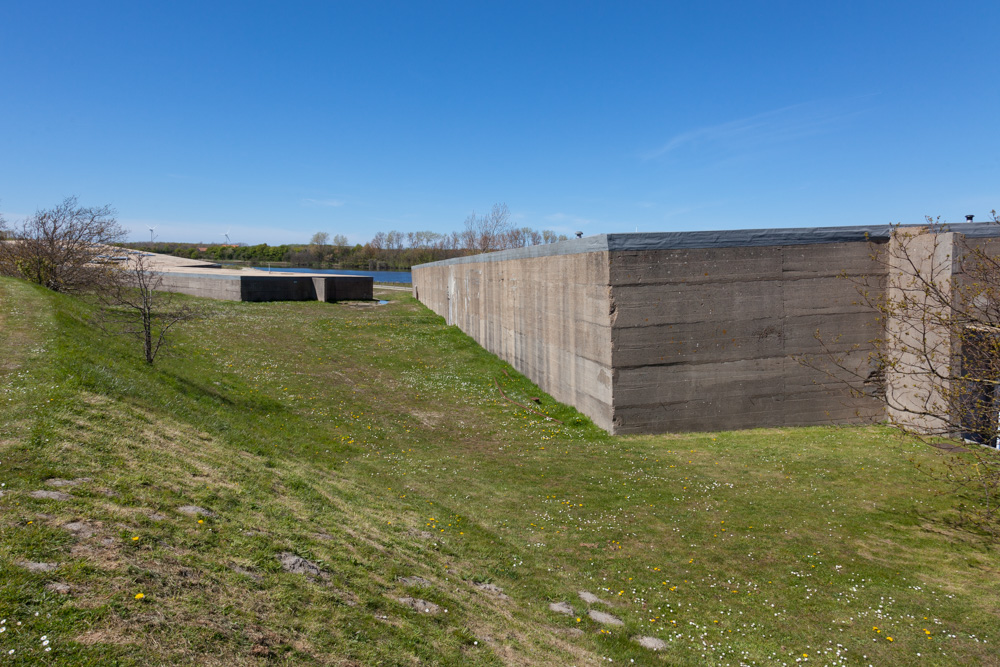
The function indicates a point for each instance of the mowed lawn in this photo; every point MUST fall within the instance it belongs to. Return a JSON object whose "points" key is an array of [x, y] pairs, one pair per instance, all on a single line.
{"points": [[343, 484]]}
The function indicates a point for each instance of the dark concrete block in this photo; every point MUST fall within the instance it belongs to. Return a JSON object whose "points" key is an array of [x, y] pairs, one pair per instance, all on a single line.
{"points": [[343, 288]]}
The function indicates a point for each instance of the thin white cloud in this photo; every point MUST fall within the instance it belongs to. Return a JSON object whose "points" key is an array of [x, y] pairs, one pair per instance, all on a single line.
{"points": [[323, 202], [781, 125]]}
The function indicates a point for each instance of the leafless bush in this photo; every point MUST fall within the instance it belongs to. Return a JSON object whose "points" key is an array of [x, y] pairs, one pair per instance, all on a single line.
{"points": [[62, 248], [133, 304], [936, 354]]}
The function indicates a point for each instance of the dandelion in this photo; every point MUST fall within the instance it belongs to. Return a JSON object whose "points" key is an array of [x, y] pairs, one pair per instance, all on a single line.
{"points": [[135, 539], [139, 596]]}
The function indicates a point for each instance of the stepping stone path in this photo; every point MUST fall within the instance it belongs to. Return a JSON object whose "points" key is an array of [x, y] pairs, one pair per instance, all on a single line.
{"points": [[590, 598], [298, 565], [606, 619], [652, 643], [51, 495], [33, 566], [194, 510], [58, 587], [494, 589], [156, 516], [415, 581], [422, 606], [55, 481], [561, 608], [80, 529]]}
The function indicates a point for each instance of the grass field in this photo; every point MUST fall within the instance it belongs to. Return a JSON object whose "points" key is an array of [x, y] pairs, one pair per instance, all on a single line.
{"points": [[342, 484]]}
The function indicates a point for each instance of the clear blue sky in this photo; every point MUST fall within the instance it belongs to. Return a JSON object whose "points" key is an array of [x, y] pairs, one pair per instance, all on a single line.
{"points": [[279, 120]]}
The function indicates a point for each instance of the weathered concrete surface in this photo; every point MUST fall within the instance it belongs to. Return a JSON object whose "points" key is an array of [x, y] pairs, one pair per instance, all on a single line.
{"points": [[547, 316], [343, 288], [944, 286], [920, 342], [714, 338], [673, 332]]}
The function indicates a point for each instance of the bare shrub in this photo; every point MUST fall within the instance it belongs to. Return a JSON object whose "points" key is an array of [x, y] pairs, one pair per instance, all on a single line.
{"points": [[936, 355], [134, 304], [62, 248]]}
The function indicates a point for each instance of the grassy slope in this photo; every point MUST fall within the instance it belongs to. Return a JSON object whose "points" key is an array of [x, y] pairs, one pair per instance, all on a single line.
{"points": [[372, 441]]}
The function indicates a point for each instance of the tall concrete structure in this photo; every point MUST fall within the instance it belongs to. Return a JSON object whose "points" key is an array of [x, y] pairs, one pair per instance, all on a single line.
{"points": [[647, 333]]}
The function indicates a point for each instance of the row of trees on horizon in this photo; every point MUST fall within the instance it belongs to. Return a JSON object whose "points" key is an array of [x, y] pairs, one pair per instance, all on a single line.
{"points": [[393, 250]]}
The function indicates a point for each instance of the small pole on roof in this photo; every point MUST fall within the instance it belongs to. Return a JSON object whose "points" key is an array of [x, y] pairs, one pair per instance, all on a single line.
{"points": [[579, 235], [969, 218]]}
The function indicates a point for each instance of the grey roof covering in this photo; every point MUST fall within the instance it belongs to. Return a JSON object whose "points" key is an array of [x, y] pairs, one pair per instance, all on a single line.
{"points": [[719, 239]]}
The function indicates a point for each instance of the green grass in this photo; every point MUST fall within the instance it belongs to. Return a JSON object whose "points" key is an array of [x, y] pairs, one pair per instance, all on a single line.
{"points": [[372, 441]]}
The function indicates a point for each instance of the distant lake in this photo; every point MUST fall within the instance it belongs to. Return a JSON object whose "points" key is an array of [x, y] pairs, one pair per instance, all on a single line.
{"points": [[379, 276]]}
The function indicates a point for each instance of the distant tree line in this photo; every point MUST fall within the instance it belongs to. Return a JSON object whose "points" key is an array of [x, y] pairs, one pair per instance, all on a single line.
{"points": [[391, 250]]}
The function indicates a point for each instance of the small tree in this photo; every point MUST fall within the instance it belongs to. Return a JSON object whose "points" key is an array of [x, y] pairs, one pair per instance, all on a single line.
{"points": [[935, 360], [61, 247], [135, 305]]}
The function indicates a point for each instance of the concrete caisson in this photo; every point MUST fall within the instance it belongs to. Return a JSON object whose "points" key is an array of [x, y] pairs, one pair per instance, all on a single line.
{"points": [[207, 279], [231, 286], [694, 331]]}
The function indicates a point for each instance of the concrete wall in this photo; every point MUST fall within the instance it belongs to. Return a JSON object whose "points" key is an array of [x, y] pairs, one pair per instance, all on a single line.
{"points": [[714, 338], [647, 333], [227, 288], [547, 316], [915, 334], [939, 330], [235, 287], [344, 288]]}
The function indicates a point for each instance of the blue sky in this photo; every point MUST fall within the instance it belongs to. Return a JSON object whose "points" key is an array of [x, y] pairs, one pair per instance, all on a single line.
{"points": [[278, 120]]}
